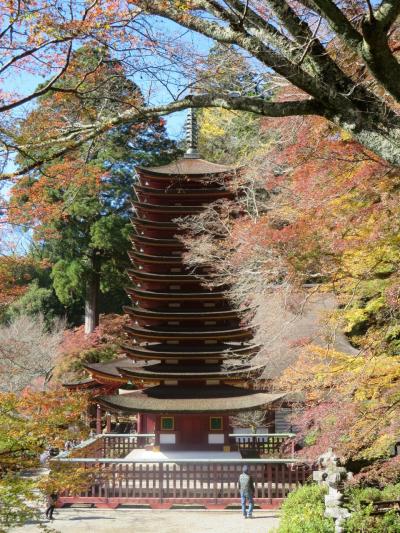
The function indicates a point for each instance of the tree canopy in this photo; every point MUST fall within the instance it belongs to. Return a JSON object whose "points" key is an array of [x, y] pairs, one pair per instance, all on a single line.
{"points": [[338, 60]]}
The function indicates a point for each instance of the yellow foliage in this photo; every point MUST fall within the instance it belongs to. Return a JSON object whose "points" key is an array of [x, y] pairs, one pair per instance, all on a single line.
{"points": [[212, 122], [369, 383]]}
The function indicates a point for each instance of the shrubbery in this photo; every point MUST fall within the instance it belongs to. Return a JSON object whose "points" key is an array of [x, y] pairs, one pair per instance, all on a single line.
{"points": [[362, 521], [303, 511]]}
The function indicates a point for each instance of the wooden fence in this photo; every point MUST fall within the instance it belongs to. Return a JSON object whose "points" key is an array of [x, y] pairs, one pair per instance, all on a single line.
{"points": [[183, 480], [113, 445], [263, 444], [111, 479]]}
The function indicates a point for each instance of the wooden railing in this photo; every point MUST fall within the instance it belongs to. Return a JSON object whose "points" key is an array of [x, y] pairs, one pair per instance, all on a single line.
{"points": [[267, 444], [110, 445], [114, 445], [183, 479], [119, 445]]}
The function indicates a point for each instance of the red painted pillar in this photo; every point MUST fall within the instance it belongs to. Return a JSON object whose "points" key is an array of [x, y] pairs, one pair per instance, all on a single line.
{"points": [[98, 419], [157, 428], [226, 433], [139, 429], [108, 422]]}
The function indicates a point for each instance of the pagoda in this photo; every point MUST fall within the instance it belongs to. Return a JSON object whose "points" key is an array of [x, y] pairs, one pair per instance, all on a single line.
{"points": [[191, 353]]}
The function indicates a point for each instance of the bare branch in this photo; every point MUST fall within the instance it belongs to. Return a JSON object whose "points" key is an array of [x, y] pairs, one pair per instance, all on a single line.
{"points": [[41, 91]]}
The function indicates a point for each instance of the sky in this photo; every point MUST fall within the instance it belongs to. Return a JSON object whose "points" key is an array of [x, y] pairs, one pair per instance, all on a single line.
{"points": [[24, 83]]}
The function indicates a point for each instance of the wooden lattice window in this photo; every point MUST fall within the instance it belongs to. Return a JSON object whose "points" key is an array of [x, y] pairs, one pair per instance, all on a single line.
{"points": [[167, 423], [216, 423]]}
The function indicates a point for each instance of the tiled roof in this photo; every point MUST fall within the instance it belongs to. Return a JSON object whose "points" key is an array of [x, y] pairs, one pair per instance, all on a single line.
{"points": [[188, 166], [207, 399], [179, 371]]}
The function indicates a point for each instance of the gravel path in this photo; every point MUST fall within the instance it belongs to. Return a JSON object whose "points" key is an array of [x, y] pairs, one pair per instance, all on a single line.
{"points": [[147, 521]]}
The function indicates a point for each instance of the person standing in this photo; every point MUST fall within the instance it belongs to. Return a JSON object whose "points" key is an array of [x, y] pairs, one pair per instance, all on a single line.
{"points": [[52, 500], [44, 457], [246, 489]]}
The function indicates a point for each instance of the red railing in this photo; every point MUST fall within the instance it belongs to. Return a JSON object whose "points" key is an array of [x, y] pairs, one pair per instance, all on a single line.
{"points": [[111, 445], [183, 479], [263, 444]]}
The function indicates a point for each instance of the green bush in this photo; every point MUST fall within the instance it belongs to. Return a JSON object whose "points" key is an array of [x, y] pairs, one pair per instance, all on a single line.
{"points": [[391, 492], [371, 494], [358, 496], [303, 512], [361, 520]]}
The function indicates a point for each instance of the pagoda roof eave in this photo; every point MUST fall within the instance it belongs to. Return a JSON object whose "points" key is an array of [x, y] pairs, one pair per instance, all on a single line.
{"points": [[110, 372], [184, 315], [192, 374], [180, 191], [173, 399], [88, 383], [188, 193], [149, 333], [174, 243], [135, 220], [108, 368], [203, 295], [187, 167], [155, 258], [183, 278], [168, 208], [222, 352]]}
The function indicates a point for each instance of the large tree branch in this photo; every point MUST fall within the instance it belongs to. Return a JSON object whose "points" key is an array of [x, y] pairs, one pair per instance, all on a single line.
{"points": [[315, 58], [337, 20], [312, 47], [251, 23], [372, 45], [329, 86], [387, 13], [85, 133], [271, 57], [297, 27], [375, 49]]}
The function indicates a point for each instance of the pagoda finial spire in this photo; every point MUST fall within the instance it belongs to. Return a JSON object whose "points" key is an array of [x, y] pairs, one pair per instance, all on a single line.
{"points": [[191, 135]]}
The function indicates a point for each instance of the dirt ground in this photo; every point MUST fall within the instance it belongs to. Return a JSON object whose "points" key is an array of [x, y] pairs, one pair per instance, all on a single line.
{"points": [[147, 521]]}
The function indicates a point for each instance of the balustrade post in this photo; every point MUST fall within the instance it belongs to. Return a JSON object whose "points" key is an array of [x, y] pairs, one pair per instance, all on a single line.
{"points": [[98, 419], [108, 422], [215, 484], [161, 480]]}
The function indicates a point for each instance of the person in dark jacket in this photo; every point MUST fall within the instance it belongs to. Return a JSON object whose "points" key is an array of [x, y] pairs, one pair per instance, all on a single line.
{"points": [[52, 500], [246, 489]]}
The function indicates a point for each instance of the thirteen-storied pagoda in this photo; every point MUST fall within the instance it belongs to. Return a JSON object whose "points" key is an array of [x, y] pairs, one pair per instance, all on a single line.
{"points": [[181, 332]]}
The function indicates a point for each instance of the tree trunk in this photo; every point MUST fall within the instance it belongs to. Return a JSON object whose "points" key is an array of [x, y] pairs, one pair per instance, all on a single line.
{"points": [[92, 296]]}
